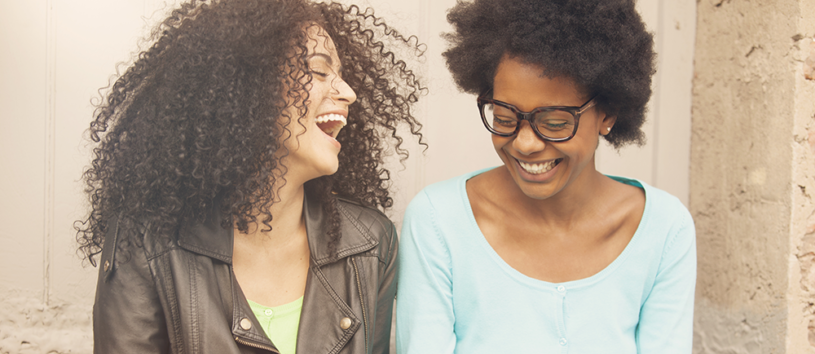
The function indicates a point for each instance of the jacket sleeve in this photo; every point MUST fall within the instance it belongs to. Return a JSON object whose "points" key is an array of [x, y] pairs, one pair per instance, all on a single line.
{"points": [[666, 316], [387, 291], [127, 313], [424, 304]]}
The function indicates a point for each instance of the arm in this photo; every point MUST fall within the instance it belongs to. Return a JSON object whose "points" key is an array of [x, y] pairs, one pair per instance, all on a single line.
{"points": [[424, 308], [127, 314], [666, 317], [384, 299]]}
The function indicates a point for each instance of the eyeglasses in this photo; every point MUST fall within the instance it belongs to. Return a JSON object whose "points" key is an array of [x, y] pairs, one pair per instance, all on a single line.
{"points": [[554, 123]]}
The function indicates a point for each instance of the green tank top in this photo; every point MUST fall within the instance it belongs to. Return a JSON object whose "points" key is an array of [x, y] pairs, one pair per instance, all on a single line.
{"points": [[280, 323]]}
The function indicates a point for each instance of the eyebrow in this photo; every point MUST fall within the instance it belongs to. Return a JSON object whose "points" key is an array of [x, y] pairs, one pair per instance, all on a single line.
{"points": [[327, 59]]}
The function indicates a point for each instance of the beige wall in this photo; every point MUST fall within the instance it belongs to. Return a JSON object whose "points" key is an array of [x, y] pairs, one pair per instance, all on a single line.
{"points": [[753, 176], [57, 54]]}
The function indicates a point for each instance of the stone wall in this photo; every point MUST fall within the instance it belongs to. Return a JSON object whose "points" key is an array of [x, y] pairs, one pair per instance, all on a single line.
{"points": [[752, 176]]}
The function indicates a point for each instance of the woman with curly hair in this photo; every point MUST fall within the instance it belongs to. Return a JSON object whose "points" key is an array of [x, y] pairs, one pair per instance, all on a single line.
{"points": [[228, 218], [544, 253]]}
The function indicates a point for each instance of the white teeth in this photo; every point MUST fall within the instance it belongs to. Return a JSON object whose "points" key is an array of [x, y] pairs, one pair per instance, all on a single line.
{"points": [[538, 168], [331, 117], [332, 129]]}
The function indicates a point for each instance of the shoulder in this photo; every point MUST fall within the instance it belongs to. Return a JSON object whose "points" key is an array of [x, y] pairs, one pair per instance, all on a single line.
{"points": [[665, 219], [124, 235], [127, 247], [440, 216], [372, 219], [659, 204], [665, 216], [665, 208], [446, 196]]}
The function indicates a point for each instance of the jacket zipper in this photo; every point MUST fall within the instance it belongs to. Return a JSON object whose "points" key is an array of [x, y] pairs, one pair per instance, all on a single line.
{"points": [[362, 302], [255, 345]]}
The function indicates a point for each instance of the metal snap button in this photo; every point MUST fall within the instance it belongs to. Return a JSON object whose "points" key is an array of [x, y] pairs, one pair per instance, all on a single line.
{"points": [[107, 266], [345, 323], [246, 324]]}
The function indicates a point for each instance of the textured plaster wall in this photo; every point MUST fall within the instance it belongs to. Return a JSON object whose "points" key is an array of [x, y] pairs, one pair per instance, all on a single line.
{"points": [[802, 274], [752, 176]]}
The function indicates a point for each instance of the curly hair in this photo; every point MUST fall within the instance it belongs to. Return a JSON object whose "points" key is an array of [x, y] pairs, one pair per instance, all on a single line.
{"points": [[196, 121], [600, 44]]}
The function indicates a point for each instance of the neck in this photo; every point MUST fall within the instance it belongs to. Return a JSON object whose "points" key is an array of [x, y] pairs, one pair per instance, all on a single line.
{"points": [[569, 205], [286, 211]]}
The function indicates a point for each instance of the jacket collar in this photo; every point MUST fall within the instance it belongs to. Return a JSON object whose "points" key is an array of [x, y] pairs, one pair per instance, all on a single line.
{"points": [[208, 238], [355, 238]]}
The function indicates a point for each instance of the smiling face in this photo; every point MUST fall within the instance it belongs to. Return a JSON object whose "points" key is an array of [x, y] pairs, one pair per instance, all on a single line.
{"points": [[312, 148], [542, 169]]}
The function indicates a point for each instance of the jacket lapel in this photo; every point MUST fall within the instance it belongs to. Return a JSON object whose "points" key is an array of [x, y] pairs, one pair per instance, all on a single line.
{"points": [[327, 322], [245, 327]]}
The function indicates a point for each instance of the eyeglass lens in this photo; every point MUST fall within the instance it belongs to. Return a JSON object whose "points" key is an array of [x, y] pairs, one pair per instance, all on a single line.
{"points": [[555, 124]]}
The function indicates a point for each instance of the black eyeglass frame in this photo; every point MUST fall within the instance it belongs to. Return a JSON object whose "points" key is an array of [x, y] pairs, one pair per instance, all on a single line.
{"points": [[576, 112]]}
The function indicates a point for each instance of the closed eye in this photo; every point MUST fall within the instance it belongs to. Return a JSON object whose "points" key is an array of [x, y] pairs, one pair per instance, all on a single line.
{"points": [[554, 124], [505, 121]]}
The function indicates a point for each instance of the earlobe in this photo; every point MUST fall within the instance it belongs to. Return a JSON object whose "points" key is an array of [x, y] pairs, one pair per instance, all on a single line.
{"points": [[608, 123]]}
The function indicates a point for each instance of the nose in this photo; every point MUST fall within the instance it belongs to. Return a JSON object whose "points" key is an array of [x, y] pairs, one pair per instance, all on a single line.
{"points": [[527, 142], [343, 92]]}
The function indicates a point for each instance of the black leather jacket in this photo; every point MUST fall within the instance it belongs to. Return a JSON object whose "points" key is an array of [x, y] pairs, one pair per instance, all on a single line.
{"points": [[181, 296]]}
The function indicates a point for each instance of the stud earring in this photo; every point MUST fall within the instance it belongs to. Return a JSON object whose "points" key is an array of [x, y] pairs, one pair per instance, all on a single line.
{"points": [[608, 129]]}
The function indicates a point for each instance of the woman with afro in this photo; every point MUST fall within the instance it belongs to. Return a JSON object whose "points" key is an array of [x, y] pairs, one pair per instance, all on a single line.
{"points": [[545, 254], [237, 180]]}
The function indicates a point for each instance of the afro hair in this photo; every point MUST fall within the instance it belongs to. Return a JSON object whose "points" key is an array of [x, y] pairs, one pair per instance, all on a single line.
{"points": [[602, 45]]}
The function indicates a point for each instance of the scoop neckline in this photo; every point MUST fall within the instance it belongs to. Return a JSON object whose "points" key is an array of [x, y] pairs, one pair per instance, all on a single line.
{"points": [[571, 284]]}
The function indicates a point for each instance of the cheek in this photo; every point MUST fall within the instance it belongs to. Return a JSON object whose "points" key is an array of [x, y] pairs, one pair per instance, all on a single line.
{"points": [[317, 93], [499, 144], [590, 126], [584, 150], [588, 136]]}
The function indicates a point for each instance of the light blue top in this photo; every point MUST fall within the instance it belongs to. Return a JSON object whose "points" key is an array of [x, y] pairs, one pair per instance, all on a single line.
{"points": [[457, 295]]}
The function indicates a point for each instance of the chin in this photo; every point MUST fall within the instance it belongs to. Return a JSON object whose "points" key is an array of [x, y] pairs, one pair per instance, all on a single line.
{"points": [[330, 169], [537, 190], [539, 195], [321, 169]]}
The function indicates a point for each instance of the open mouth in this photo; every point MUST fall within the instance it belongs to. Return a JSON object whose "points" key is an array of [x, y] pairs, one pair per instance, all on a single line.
{"points": [[538, 168], [331, 124]]}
